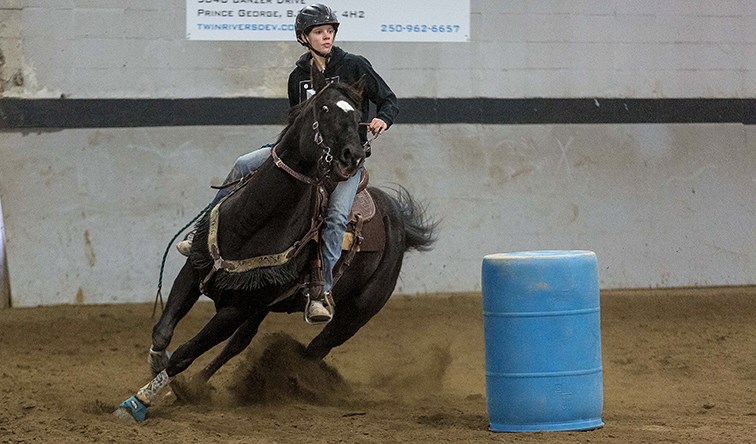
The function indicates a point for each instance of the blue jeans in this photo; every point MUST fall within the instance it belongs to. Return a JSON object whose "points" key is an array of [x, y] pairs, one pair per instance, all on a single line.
{"points": [[244, 165], [337, 217], [337, 214]]}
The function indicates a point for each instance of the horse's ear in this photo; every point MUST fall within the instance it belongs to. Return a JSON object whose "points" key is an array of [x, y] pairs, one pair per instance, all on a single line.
{"points": [[318, 79]]}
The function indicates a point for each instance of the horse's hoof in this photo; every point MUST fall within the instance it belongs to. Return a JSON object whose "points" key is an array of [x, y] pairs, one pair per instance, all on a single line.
{"points": [[158, 361], [131, 408], [124, 415]]}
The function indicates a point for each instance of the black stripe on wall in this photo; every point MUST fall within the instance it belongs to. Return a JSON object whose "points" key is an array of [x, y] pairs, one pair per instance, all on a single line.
{"points": [[120, 113]]}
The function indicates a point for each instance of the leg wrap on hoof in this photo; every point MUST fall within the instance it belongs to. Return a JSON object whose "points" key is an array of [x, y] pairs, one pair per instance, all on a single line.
{"points": [[148, 393], [137, 409]]}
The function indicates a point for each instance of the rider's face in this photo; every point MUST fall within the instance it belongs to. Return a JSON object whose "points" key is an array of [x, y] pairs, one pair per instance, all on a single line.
{"points": [[321, 38]]}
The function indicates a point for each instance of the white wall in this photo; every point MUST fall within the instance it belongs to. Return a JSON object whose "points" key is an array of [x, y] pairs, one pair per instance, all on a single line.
{"points": [[88, 212], [661, 205], [519, 48]]}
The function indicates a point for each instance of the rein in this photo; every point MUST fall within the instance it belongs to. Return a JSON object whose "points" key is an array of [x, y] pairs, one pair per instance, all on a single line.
{"points": [[290, 171], [369, 142]]}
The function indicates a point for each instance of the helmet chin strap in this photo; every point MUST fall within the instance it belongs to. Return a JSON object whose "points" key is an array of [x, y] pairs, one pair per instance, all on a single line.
{"points": [[325, 56], [306, 43]]}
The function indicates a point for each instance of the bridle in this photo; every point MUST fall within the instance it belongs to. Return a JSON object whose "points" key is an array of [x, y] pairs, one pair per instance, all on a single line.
{"points": [[326, 158]]}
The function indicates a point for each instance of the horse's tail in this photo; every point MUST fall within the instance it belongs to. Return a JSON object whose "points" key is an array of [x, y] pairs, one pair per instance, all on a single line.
{"points": [[419, 228]]}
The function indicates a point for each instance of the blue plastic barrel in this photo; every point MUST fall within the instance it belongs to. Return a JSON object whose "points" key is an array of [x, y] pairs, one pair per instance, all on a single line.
{"points": [[543, 341]]}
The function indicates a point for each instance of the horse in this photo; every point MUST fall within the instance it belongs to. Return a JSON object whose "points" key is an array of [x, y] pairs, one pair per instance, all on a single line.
{"points": [[271, 212]]}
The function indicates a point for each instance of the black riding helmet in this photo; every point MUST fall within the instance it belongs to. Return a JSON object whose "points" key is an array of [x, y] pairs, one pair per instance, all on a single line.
{"points": [[312, 16]]}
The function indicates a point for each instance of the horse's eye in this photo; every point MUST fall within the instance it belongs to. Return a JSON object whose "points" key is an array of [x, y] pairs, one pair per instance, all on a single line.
{"points": [[325, 108]]}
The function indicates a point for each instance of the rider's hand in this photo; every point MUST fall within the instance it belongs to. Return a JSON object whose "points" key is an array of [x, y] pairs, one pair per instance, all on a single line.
{"points": [[377, 126]]}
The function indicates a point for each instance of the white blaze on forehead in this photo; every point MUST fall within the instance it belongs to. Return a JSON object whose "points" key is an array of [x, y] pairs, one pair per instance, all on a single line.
{"points": [[344, 106]]}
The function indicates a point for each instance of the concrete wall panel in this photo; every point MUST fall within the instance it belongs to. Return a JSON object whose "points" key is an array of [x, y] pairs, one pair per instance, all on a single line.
{"points": [[520, 49], [661, 205]]}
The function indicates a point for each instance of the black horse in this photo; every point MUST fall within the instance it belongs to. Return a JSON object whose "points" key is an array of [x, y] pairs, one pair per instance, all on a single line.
{"points": [[271, 214]]}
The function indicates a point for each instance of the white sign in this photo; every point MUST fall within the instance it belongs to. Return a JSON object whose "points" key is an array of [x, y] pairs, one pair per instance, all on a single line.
{"points": [[360, 21]]}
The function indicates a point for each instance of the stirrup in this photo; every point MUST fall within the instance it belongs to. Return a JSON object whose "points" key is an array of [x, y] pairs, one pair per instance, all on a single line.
{"points": [[319, 311]]}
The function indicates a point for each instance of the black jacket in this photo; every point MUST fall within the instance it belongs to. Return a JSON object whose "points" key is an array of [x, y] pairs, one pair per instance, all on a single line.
{"points": [[349, 68]]}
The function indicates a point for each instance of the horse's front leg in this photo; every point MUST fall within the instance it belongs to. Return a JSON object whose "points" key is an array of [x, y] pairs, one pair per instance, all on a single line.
{"points": [[238, 342], [183, 296], [225, 322], [358, 304]]}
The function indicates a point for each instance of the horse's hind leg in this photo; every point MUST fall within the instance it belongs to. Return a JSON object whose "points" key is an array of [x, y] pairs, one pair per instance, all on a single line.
{"points": [[238, 342], [183, 296], [351, 315], [357, 309]]}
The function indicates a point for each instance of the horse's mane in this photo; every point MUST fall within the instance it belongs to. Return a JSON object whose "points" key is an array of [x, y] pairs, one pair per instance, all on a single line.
{"points": [[352, 93]]}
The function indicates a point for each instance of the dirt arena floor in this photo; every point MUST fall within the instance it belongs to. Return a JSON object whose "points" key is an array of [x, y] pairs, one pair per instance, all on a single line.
{"points": [[679, 367]]}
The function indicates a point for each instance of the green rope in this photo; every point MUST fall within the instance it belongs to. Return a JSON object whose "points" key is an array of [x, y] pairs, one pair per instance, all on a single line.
{"points": [[159, 295]]}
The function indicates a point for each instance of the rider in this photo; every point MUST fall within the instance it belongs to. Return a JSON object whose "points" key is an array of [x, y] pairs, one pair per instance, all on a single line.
{"points": [[316, 26]]}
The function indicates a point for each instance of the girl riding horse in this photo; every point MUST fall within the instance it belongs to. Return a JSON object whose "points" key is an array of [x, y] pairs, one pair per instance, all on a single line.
{"points": [[316, 27], [270, 214]]}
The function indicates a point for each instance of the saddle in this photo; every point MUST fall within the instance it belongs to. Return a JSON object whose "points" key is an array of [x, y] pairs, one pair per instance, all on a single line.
{"points": [[367, 232], [364, 232]]}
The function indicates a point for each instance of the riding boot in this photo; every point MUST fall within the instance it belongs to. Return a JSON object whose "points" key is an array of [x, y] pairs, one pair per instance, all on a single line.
{"points": [[185, 246], [319, 307], [319, 311]]}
